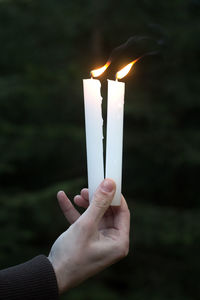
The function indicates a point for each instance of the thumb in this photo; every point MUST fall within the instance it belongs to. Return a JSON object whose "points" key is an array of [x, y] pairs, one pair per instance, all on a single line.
{"points": [[101, 200]]}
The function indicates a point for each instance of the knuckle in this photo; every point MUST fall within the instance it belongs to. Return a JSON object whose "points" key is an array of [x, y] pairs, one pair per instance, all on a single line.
{"points": [[84, 224], [123, 249], [77, 225], [126, 248], [80, 224], [101, 200], [128, 212]]}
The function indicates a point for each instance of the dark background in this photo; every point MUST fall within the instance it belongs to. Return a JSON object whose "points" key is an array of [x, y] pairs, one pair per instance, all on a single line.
{"points": [[46, 49]]}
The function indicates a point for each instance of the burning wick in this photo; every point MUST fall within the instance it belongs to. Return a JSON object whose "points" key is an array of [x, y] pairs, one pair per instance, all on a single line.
{"points": [[99, 71], [124, 71]]}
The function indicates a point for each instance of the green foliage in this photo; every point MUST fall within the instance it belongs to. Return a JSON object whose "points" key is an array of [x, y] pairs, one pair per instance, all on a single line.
{"points": [[47, 47], [163, 262], [28, 222]]}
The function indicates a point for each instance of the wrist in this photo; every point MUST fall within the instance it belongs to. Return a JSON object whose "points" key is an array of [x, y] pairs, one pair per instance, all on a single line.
{"points": [[59, 279]]}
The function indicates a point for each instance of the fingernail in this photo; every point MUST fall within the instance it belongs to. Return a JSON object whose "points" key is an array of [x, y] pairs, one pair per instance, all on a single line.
{"points": [[107, 185], [60, 193]]}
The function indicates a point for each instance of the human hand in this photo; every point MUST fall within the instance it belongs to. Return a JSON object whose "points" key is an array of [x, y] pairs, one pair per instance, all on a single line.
{"points": [[96, 239]]}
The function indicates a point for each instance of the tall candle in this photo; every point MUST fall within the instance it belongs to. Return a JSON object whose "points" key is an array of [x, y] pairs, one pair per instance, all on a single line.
{"points": [[94, 133], [114, 135]]}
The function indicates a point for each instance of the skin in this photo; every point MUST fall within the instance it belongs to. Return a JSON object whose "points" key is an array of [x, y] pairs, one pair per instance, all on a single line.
{"points": [[96, 239]]}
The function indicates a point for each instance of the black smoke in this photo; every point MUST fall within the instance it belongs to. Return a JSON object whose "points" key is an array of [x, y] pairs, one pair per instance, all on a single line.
{"points": [[136, 47]]}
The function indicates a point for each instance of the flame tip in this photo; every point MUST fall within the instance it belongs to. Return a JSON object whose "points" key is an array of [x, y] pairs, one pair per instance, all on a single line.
{"points": [[99, 71], [125, 70]]}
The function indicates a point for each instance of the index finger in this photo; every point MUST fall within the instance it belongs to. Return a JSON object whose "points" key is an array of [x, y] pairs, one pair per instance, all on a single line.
{"points": [[122, 217]]}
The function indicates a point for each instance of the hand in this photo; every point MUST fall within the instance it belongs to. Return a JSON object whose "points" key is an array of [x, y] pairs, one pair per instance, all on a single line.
{"points": [[96, 239]]}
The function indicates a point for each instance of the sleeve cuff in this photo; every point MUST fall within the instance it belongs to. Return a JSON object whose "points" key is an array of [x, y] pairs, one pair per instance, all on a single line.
{"points": [[32, 280]]}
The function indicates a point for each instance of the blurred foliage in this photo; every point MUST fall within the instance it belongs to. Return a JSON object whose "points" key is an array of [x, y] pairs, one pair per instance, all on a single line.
{"points": [[47, 47], [163, 262]]}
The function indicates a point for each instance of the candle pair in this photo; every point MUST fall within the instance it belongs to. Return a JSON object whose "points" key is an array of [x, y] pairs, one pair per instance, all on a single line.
{"points": [[94, 134], [114, 131]]}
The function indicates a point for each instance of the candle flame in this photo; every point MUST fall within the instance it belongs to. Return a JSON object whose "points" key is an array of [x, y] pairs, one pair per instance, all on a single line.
{"points": [[124, 71], [99, 71]]}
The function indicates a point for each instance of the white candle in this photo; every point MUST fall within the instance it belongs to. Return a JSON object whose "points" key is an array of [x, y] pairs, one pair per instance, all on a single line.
{"points": [[94, 133], [114, 135]]}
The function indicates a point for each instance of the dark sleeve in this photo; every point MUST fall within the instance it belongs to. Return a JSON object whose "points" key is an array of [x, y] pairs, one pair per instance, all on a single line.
{"points": [[32, 280]]}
